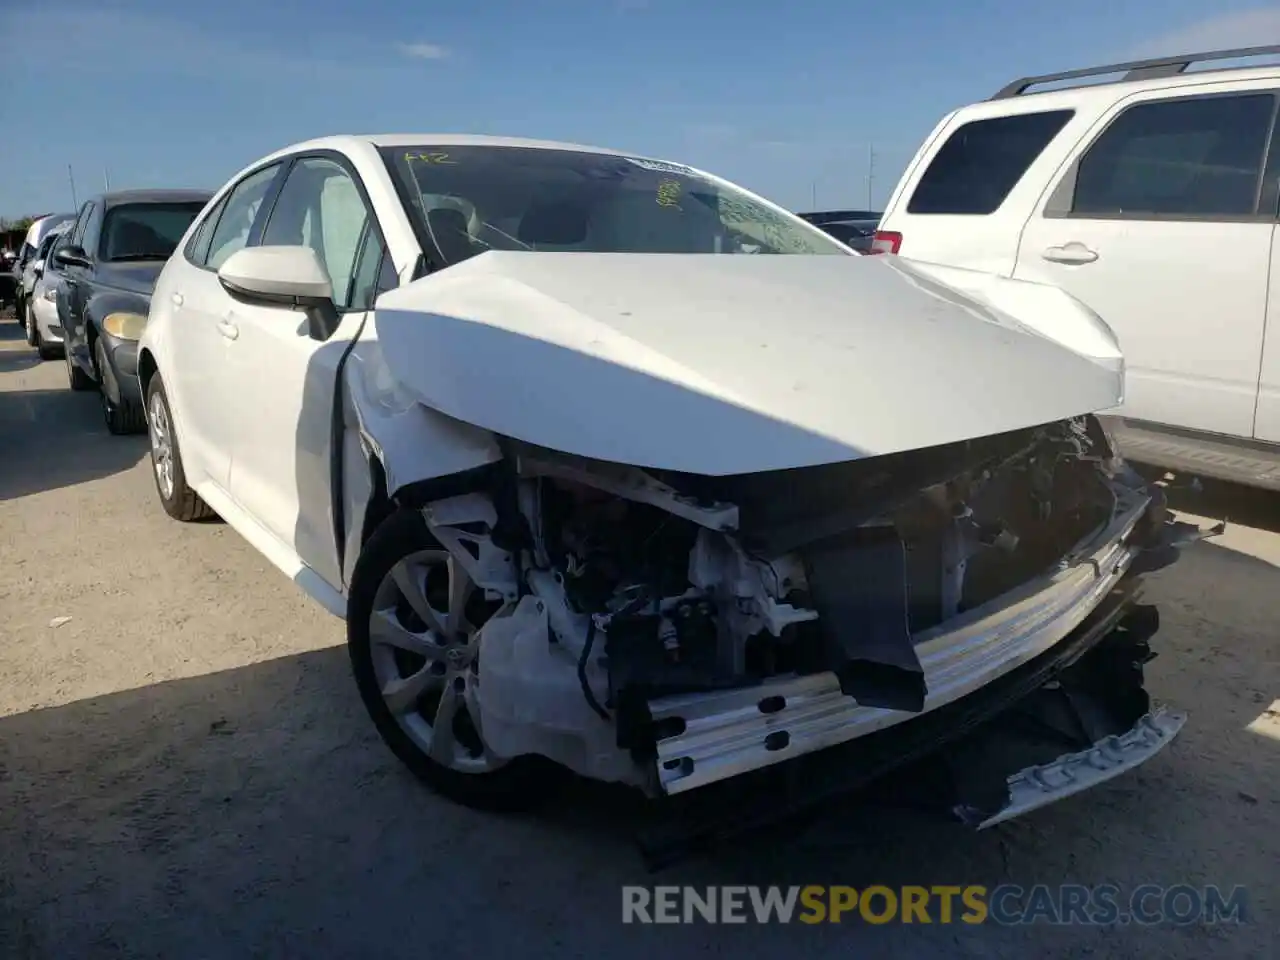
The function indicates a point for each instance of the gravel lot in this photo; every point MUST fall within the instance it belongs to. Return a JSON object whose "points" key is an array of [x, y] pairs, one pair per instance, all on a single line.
{"points": [[186, 771]]}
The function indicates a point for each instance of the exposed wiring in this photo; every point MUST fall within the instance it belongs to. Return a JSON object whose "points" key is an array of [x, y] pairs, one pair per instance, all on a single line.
{"points": [[583, 658]]}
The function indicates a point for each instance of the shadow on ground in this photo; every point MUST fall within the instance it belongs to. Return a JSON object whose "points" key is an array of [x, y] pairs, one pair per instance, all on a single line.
{"points": [[56, 438], [254, 813], [1247, 506]]}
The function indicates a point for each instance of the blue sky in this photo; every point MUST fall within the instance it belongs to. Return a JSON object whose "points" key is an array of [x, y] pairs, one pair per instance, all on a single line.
{"points": [[783, 98]]}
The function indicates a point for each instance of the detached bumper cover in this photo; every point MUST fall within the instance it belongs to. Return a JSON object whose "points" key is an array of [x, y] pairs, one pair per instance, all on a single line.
{"points": [[1043, 700], [1040, 785]]}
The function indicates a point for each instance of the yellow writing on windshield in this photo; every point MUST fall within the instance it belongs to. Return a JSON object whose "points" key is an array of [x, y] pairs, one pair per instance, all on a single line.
{"points": [[430, 156], [669, 194]]}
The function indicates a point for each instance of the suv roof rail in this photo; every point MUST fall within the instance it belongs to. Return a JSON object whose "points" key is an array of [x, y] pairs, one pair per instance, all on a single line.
{"points": [[1136, 69]]}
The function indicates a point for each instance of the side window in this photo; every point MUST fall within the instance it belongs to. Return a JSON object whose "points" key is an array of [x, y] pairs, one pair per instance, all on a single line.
{"points": [[76, 233], [92, 229], [1177, 158], [320, 207], [375, 273], [982, 161], [236, 218], [197, 248]]}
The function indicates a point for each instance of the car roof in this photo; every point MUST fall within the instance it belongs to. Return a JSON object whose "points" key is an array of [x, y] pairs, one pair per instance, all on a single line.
{"points": [[346, 141], [117, 197]]}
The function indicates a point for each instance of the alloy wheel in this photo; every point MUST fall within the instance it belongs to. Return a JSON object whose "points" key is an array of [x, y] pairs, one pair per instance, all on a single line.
{"points": [[423, 632], [161, 433]]}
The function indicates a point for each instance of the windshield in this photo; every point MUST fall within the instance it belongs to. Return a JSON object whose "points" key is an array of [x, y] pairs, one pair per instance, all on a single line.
{"points": [[145, 231], [468, 199]]}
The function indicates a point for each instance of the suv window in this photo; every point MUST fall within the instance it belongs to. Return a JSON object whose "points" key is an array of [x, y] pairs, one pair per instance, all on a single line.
{"points": [[238, 214], [320, 207], [982, 161], [1200, 157]]}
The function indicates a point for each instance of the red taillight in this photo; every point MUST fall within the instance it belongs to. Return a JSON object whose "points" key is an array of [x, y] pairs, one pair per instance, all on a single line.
{"points": [[886, 241]]}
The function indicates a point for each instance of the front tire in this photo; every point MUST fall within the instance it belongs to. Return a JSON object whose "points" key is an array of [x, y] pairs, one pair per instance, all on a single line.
{"points": [[411, 622], [177, 498], [29, 321], [124, 417], [77, 379]]}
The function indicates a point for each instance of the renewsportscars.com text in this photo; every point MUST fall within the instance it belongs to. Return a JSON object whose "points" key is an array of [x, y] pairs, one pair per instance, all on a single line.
{"points": [[1007, 904]]}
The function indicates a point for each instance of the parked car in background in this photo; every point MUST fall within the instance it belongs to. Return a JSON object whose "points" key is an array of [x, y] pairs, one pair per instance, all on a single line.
{"points": [[854, 228], [1152, 197], [109, 262], [646, 517], [35, 236], [44, 331], [8, 277]]}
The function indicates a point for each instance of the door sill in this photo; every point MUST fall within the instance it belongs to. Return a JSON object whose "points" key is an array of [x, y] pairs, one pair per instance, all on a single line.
{"points": [[266, 543], [1237, 460]]}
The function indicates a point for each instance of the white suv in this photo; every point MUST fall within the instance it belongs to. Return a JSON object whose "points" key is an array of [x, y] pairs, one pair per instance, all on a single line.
{"points": [[1154, 199]]}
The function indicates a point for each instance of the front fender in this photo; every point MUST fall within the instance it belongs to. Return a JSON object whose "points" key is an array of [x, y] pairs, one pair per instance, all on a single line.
{"points": [[390, 441], [101, 305], [411, 441]]}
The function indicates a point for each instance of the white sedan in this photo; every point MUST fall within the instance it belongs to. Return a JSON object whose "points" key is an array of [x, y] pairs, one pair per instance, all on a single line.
{"points": [[591, 496]]}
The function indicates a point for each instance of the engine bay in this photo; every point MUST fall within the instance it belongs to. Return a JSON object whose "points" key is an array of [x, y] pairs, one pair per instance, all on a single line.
{"points": [[631, 586]]}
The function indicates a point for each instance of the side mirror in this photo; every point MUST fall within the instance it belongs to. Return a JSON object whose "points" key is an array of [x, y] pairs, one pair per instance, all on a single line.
{"points": [[72, 256], [38, 267], [291, 277]]}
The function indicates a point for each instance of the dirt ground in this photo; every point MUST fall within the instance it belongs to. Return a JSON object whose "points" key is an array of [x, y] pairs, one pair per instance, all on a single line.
{"points": [[186, 771]]}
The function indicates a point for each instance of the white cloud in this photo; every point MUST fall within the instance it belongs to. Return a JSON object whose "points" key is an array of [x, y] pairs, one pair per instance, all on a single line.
{"points": [[1247, 28], [424, 51]]}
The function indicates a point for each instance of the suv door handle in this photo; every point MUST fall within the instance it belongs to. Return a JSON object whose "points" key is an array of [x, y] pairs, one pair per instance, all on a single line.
{"points": [[1073, 252], [228, 329]]}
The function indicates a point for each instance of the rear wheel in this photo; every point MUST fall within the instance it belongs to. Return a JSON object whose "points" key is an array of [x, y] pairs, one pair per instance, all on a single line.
{"points": [[412, 622], [178, 499]]}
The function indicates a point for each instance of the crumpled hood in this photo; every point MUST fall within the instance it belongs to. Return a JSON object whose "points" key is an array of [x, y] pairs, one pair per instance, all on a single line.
{"points": [[735, 364]]}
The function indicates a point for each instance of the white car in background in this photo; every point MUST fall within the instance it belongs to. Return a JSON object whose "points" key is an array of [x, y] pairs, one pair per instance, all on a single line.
{"points": [[590, 495], [44, 330], [1148, 190], [29, 254]]}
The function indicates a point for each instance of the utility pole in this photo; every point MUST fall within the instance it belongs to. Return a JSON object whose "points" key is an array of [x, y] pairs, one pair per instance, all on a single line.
{"points": [[871, 171], [106, 181], [75, 205], [813, 195]]}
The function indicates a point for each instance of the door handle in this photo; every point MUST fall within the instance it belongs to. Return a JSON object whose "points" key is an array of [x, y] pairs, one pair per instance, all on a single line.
{"points": [[177, 299], [228, 329], [1073, 252]]}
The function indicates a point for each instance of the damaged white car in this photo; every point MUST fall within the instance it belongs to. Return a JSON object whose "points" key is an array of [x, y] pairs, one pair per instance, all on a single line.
{"points": [[612, 465]]}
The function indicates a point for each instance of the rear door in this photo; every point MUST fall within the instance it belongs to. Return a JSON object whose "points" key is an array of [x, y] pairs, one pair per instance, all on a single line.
{"points": [[1266, 425], [193, 295], [1156, 222]]}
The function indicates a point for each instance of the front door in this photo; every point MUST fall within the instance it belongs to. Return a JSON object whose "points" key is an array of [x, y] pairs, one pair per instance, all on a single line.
{"points": [[1158, 226], [284, 381]]}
